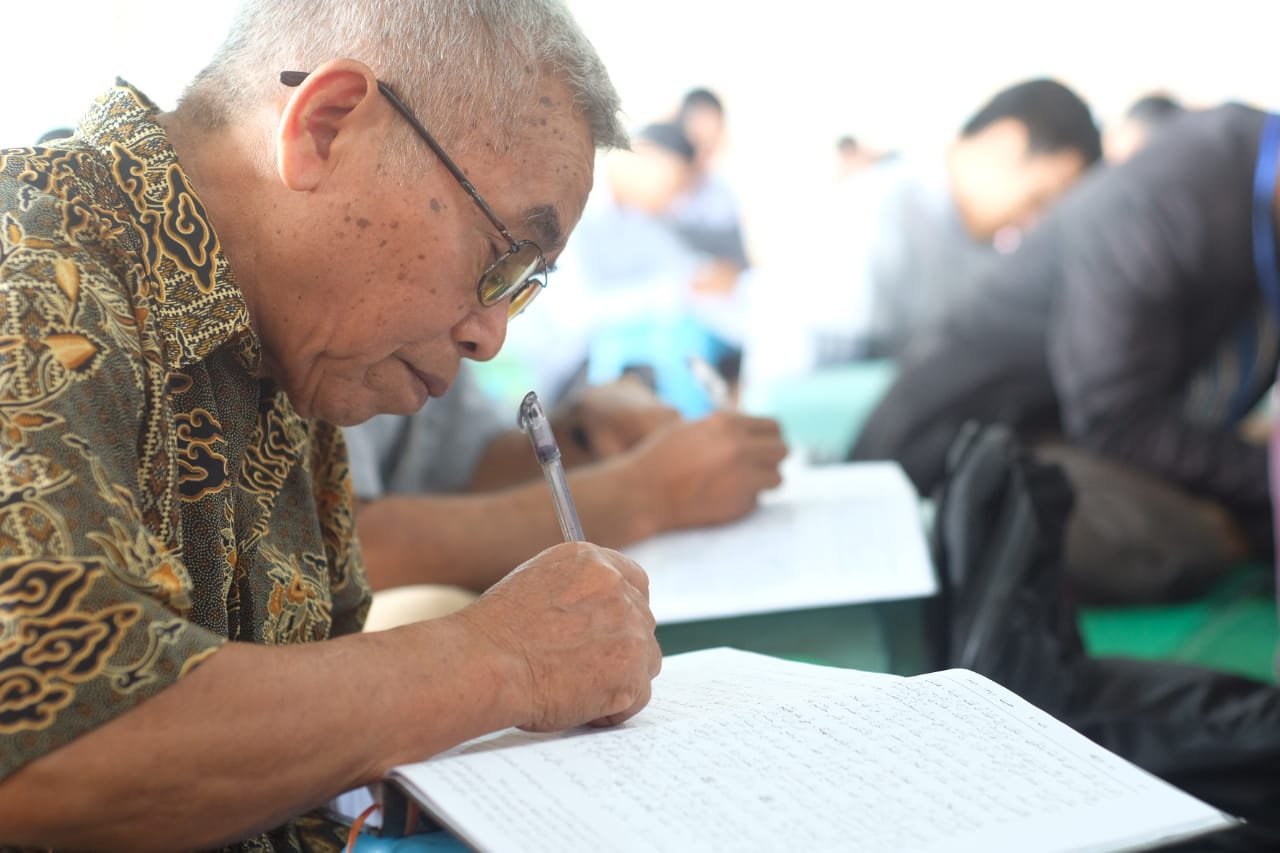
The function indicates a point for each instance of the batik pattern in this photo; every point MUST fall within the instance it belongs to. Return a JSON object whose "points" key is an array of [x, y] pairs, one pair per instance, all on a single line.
{"points": [[156, 497]]}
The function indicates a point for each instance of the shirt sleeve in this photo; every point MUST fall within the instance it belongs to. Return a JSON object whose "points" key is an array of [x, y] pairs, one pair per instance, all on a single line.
{"points": [[93, 605], [448, 438], [436, 449]]}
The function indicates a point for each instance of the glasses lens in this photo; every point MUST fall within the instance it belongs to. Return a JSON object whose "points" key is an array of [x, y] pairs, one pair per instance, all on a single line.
{"points": [[510, 272], [521, 298]]}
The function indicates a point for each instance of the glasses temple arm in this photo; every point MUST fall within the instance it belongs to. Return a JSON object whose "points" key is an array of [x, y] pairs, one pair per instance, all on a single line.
{"points": [[295, 78]]}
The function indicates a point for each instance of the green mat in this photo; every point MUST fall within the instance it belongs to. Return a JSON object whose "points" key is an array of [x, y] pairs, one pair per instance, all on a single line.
{"points": [[1232, 628]]}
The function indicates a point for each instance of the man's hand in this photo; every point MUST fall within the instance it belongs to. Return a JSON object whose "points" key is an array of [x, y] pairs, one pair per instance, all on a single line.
{"points": [[709, 471], [619, 415], [576, 619]]}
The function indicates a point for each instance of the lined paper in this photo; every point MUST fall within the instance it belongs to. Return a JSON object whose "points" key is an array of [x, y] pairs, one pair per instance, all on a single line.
{"points": [[744, 752]]}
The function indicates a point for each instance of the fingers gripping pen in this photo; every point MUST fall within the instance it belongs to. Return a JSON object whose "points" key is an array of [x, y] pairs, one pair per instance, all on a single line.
{"points": [[533, 421]]}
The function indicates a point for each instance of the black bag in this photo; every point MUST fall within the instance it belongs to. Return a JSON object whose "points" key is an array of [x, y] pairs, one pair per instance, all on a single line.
{"points": [[997, 542], [1003, 612]]}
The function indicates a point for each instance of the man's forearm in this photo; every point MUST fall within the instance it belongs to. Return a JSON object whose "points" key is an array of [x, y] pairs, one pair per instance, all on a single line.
{"points": [[416, 539], [256, 735], [1211, 462]]}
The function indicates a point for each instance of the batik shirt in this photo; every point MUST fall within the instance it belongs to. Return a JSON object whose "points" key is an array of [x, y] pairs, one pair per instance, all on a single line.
{"points": [[157, 498]]}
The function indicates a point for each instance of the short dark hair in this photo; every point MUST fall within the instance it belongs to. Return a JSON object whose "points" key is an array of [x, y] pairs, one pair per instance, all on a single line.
{"points": [[670, 137], [700, 97], [1153, 108], [1056, 118]]}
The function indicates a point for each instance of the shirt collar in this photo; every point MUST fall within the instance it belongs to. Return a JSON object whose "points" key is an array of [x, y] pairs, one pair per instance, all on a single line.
{"points": [[199, 307]]}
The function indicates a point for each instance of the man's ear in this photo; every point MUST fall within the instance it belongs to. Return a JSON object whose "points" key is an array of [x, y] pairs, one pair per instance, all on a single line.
{"points": [[323, 116]]}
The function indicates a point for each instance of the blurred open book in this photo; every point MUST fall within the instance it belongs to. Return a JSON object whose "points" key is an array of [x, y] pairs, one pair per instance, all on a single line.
{"points": [[831, 535]]}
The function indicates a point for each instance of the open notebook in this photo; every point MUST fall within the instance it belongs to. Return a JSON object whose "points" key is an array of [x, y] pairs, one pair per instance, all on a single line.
{"points": [[739, 751], [831, 535]]}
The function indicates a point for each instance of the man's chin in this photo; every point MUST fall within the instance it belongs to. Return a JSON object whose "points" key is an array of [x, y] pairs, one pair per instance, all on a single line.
{"points": [[347, 416]]}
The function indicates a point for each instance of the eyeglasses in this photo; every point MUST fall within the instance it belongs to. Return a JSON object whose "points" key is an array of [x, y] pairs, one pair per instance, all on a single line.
{"points": [[521, 271]]}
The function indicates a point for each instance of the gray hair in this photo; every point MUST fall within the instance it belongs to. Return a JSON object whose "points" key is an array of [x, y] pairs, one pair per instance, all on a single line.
{"points": [[453, 61]]}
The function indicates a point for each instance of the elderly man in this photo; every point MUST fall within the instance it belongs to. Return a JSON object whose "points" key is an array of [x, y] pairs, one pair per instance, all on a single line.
{"points": [[192, 303]]}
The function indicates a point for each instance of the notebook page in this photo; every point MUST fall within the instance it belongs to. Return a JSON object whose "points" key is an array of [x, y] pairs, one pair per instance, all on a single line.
{"points": [[699, 684], [839, 534], [879, 763]]}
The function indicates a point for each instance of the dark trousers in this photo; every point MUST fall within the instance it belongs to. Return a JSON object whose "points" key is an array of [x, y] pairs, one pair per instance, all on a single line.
{"points": [[1133, 537]]}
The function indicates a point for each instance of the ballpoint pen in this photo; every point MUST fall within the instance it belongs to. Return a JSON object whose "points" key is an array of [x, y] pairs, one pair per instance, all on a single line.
{"points": [[533, 421], [712, 383]]}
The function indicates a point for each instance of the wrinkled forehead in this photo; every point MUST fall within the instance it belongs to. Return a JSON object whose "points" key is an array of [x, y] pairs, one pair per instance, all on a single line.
{"points": [[548, 174]]}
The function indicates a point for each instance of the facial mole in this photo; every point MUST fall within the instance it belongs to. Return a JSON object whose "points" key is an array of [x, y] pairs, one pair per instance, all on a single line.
{"points": [[395, 223], [362, 222], [436, 206], [546, 102]]}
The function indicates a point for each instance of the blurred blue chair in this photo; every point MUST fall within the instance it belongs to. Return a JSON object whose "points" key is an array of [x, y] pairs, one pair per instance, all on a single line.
{"points": [[664, 344]]}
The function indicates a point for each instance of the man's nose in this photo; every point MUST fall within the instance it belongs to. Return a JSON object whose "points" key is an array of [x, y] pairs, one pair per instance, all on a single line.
{"points": [[480, 334]]}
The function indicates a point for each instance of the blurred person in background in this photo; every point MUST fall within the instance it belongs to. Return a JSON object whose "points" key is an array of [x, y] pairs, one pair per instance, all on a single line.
{"points": [[1130, 336], [708, 216], [932, 219], [853, 158], [707, 213], [632, 294], [1145, 116]]}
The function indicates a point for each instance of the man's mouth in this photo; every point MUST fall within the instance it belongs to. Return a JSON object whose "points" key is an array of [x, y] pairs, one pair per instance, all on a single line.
{"points": [[436, 386]]}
